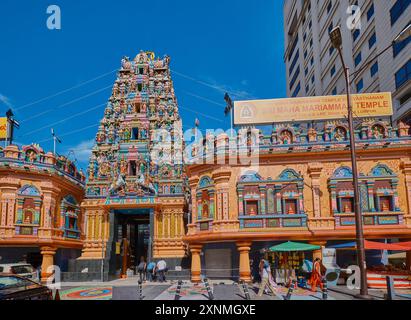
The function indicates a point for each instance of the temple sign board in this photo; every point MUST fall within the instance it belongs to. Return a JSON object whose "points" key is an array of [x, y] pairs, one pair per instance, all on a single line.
{"points": [[271, 111], [3, 128]]}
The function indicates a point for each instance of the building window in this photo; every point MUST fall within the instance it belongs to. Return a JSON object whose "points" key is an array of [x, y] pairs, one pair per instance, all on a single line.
{"points": [[334, 92], [293, 48], [346, 205], [374, 69], [403, 75], [332, 70], [294, 79], [70, 210], [297, 90], [329, 7], [397, 10], [132, 168], [312, 61], [385, 204], [290, 206], [358, 59], [360, 85], [27, 216], [307, 88], [306, 71], [399, 46], [330, 28], [370, 12], [251, 208], [205, 199], [331, 50], [313, 79], [356, 34], [295, 60], [372, 40], [134, 134]]}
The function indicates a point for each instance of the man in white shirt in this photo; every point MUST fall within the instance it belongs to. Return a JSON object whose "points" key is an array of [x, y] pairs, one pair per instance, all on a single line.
{"points": [[161, 269]]}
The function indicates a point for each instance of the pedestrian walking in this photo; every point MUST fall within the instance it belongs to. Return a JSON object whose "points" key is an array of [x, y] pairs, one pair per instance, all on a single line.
{"points": [[141, 268], [316, 275], [265, 272]]}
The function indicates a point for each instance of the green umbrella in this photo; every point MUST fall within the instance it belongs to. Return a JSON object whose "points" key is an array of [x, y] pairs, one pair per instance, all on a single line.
{"points": [[293, 246]]}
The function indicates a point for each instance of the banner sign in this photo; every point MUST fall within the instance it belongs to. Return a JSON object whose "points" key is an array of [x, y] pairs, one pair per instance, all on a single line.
{"points": [[256, 112], [3, 128]]}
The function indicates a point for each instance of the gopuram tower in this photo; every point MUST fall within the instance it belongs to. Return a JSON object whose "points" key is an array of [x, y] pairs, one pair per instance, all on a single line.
{"points": [[135, 195]]}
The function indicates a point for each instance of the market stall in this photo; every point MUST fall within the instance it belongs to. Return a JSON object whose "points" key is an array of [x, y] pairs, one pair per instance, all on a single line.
{"points": [[289, 261], [376, 275]]}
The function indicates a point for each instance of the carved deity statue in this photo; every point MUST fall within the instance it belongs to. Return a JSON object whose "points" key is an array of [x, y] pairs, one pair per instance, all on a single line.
{"points": [[123, 166], [377, 132], [340, 134], [286, 137]]}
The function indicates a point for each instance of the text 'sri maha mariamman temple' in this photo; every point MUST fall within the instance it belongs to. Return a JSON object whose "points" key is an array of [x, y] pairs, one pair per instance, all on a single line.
{"points": [[212, 217]]}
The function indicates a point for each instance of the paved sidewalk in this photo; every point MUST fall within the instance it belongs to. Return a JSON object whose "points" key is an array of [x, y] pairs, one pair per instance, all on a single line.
{"points": [[127, 289]]}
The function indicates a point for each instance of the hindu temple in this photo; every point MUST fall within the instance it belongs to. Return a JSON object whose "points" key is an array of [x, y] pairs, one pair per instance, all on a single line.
{"points": [[135, 195]]}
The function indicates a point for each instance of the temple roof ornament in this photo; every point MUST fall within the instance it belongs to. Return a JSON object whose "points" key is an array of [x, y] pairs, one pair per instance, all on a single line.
{"points": [[142, 103]]}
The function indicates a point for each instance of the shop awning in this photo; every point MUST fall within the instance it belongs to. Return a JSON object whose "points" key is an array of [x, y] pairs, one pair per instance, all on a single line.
{"points": [[398, 255], [372, 245], [293, 246], [348, 245]]}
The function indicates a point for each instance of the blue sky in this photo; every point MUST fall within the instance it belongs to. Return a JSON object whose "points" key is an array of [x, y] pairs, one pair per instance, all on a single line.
{"points": [[214, 45]]}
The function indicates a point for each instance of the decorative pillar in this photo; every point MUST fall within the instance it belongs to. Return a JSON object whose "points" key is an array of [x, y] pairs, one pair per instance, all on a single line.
{"points": [[314, 170], [8, 192], [240, 202], [371, 202], [333, 191], [300, 204], [219, 206], [263, 192], [193, 182], [195, 250], [96, 232], [396, 202], [221, 179], [151, 237], [278, 199], [212, 204], [406, 166], [245, 270], [48, 261]]}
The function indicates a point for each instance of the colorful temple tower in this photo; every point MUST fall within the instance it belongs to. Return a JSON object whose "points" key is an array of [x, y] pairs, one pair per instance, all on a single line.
{"points": [[135, 195]]}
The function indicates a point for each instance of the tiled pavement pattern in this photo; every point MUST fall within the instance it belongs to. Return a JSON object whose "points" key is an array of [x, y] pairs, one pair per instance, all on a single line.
{"points": [[221, 291]]}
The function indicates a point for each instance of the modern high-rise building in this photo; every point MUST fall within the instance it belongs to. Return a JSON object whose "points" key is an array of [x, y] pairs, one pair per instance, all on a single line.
{"points": [[313, 66]]}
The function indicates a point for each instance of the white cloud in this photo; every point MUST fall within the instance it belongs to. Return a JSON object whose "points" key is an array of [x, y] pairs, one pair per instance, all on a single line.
{"points": [[6, 101], [82, 151]]}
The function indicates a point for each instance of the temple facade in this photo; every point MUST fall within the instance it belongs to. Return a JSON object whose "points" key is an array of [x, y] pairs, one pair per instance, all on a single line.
{"points": [[135, 195], [296, 185], [40, 216]]}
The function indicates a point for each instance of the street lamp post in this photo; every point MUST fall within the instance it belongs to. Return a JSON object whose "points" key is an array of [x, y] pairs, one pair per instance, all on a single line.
{"points": [[336, 39]]}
